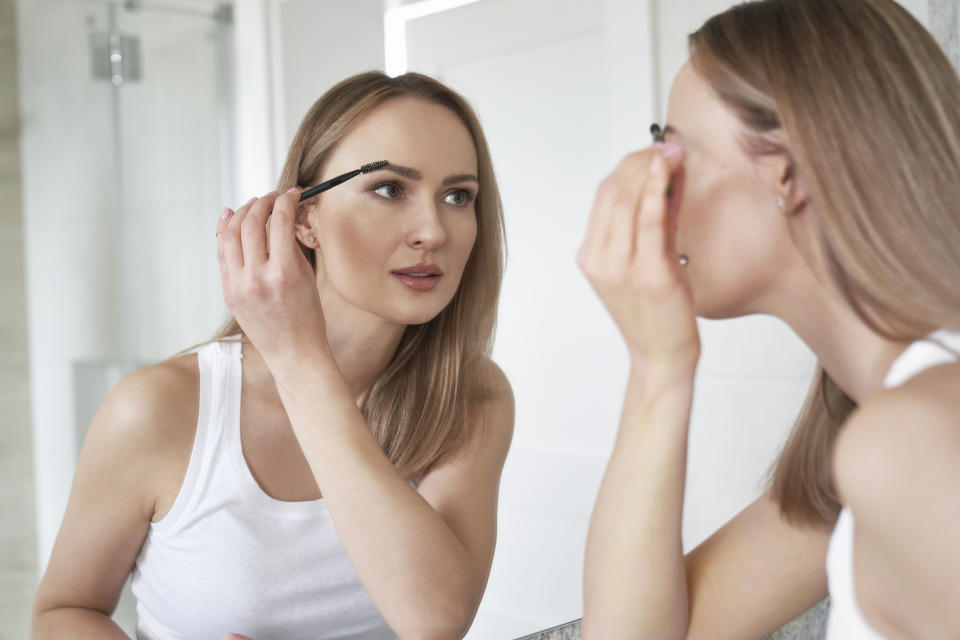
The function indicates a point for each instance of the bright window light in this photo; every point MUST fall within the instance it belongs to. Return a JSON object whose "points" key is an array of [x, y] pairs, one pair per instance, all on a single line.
{"points": [[395, 29]]}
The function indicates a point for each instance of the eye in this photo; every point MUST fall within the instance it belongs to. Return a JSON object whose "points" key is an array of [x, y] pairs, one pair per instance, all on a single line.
{"points": [[460, 197], [388, 190]]}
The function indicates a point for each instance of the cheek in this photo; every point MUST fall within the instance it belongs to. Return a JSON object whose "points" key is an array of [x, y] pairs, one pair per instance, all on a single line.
{"points": [[718, 204], [352, 242], [729, 239], [463, 236]]}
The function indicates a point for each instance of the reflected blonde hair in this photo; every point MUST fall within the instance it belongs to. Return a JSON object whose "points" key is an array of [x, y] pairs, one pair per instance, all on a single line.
{"points": [[869, 104], [418, 408]]}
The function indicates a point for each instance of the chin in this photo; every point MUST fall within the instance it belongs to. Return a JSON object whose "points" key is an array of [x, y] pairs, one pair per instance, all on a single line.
{"points": [[717, 305], [410, 316]]}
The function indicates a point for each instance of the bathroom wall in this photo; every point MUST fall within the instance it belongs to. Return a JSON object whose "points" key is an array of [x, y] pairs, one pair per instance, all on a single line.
{"points": [[18, 552], [944, 20], [162, 285]]}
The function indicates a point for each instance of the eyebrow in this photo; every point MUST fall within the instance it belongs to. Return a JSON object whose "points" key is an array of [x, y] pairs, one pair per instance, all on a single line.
{"points": [[414, 174]]}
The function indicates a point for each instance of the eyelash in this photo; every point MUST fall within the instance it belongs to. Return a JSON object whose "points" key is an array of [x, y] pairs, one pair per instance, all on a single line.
{"points": [[471, 195]]}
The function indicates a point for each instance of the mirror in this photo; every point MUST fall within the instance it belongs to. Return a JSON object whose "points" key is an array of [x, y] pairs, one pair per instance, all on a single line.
{"points": [[121, 175]]}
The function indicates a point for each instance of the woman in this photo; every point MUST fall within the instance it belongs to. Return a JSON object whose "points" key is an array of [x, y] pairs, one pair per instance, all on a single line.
{"points": [[352, 492], [809, 171]]}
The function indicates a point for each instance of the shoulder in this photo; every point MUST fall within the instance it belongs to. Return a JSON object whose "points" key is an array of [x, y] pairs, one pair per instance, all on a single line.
{"points": [[492, 385], [144, 430], [900, 430], [897, 467], [491, 408], [148, 400]]}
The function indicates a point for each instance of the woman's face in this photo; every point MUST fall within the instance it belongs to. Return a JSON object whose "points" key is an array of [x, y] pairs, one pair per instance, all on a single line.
{"points": [[395, 242], [728, 222]]}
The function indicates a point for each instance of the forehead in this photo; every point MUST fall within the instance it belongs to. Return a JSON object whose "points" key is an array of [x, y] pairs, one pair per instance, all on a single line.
{"points": [[696, 111], [410, 132]]}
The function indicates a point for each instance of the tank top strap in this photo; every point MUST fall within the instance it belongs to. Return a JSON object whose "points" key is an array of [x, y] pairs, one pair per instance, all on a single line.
{"points": [[218, 419], [940, 347], [224, 379]]}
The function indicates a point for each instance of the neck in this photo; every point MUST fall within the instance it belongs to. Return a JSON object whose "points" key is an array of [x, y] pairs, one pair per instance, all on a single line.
{"points": [[852, 353], [362, 345]]}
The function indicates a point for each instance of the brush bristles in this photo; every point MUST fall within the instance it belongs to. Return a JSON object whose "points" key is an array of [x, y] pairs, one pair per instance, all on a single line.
{"points": [[373, 166]]}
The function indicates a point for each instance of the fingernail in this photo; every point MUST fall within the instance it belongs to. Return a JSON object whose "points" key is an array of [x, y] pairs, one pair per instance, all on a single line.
{"points": [[225, 213], [251, 200], [672, 150], [272, 193], [292, 190]]}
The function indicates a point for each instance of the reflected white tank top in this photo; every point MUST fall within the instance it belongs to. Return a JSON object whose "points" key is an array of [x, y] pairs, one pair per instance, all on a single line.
{"points": [[228, 558], [846, 621]]}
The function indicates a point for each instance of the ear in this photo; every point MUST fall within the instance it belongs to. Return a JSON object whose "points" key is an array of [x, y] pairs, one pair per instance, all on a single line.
{"points": [[304, 228], [792, 188]]}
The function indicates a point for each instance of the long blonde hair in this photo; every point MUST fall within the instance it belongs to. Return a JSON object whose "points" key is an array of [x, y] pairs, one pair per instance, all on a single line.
{"points": [[871, 108], [418, 408]]}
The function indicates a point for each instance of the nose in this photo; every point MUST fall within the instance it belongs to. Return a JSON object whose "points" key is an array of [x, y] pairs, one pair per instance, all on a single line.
{"points": [[426, 230]]}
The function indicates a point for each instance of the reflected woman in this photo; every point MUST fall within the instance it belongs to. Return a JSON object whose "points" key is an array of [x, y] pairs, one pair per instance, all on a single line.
{"points": [[809, 171], [328, 466]]}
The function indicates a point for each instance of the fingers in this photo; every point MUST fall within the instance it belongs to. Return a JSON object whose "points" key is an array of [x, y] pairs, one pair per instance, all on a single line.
{"points": [[229, 249], [653, 239], [609, 234], [225, 216], [630, 203], [253, 229], [282, 237], [630, 178]]}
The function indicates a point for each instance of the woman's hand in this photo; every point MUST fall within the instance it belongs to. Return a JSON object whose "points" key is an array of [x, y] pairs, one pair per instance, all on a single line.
{"points": [[268, 284], [630, 259]]}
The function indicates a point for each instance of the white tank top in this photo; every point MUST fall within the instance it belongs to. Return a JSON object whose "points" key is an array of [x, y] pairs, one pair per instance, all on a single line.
{"points": [[846, 621], [228, 558]]}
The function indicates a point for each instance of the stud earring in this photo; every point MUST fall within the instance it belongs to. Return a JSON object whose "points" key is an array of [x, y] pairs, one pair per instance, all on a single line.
{"points": [[684, 260], [781, 202], [310, 240]]}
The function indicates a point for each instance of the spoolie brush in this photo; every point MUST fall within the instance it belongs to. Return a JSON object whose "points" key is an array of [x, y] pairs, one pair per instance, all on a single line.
{"points": [[332, 182]]}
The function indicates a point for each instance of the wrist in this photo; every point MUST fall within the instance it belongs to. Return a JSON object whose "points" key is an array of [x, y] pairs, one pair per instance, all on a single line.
{"points": [[656, 378], [316, 363]]}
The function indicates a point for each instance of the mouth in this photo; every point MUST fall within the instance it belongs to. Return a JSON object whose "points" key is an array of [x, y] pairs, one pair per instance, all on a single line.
{"points": [[419, 277]]}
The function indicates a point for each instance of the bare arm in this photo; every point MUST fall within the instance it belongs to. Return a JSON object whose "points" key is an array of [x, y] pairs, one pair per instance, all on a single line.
{"points": [[757, 572], [112, 502], [749, 578], [634, 576], [423, 556]]}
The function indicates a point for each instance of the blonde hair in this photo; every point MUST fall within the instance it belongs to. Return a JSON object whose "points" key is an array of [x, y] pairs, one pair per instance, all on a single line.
{"points": [[869, 104], [418, 408]]}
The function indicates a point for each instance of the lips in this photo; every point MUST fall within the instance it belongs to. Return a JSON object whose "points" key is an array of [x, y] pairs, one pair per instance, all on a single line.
{"points": [[420, 270], [419, 277]]}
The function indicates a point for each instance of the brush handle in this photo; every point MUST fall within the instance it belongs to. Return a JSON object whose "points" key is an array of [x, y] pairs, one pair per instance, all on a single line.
{"points": [[332, 182]]}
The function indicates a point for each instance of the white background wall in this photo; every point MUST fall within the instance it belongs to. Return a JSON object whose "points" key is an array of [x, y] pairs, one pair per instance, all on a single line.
{"points": [[562, 98]]}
